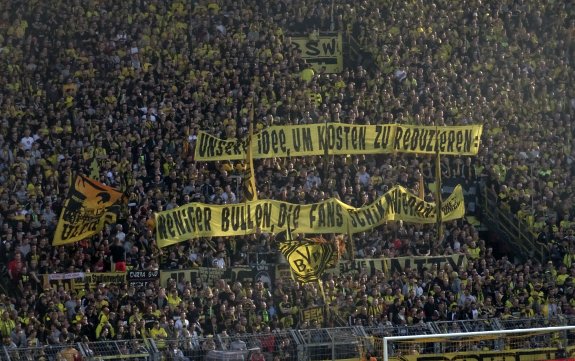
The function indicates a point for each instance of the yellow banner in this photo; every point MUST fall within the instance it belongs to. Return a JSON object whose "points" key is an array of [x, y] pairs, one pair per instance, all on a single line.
{"points": [[342, 139], [311, 314], [399, 264], [78, 280], [330, 216], [321, 51], [85, 211]]}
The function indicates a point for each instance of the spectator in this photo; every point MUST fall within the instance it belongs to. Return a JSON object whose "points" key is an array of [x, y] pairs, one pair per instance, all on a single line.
{"points": [[7, 325], [118, 254], [159, 334], [15, 267]]}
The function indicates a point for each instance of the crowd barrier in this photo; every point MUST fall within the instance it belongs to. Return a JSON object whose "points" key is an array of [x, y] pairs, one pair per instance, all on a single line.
{"points": [[518, 234], [342, 343]]}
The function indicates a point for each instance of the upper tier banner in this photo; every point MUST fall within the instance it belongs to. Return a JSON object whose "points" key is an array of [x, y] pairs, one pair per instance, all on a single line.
{"points": [[343, 139], [325, 52]]}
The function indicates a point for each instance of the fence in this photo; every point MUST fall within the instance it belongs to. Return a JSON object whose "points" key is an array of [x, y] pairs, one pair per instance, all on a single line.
{"points": [[339, 343], [517, 232], [520, 344], [131, 350], [329, 343], [33, 353], [224, 347]]}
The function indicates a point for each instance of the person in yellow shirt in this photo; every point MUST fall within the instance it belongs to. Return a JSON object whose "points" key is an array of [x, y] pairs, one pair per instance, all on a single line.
{"points": [[388, 297], [561, 276], [6, 324], [159, 334], [100, 152], [104, 315], [473, 251], [376, 309], [110, 98], [307, 73], [105, 328], [173, 299], [569, 258]]}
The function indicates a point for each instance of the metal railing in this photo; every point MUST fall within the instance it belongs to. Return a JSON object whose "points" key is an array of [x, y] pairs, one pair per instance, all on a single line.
{"points": [[226, 347], [533, 344], [49, 352], [144, 349], [132, 350], [298, 344], [514, 323], [518, 232], [482, 324], [329, 343]]}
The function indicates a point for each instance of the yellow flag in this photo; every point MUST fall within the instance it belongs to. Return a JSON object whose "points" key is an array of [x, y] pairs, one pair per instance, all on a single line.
{"points": [[309, 258], [85, 211], [249, 186], [421, 187]]}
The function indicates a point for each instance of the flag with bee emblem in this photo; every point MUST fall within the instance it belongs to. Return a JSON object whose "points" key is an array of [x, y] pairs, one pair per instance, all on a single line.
{"points": [[85, 212]]}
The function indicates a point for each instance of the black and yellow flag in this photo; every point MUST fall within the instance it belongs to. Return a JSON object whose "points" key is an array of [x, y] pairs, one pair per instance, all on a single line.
{"points": [[85, 211], [249, 183], [309, 258]]}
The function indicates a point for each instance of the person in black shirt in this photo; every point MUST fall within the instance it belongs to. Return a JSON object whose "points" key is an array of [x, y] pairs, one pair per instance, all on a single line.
{"points": [[429, 309], [149, 317], [118, 254]]}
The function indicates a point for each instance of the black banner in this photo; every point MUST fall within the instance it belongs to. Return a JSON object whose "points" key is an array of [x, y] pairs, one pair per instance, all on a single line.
{"points": [[141, 278]]}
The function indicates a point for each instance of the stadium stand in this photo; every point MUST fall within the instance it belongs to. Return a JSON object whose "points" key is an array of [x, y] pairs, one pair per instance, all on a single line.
{"points": [[119, 90]]}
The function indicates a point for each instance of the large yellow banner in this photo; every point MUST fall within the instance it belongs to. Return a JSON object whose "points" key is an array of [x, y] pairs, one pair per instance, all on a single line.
{"points": [[398, 264], [342, 139], [85, 211], [330, 216]]}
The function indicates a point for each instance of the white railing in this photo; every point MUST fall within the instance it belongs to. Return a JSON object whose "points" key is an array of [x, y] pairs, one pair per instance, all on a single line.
{"points": [[546, 330]]}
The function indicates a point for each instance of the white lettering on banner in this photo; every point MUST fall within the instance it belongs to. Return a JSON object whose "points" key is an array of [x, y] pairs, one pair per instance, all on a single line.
{"points": [[65, 276]]}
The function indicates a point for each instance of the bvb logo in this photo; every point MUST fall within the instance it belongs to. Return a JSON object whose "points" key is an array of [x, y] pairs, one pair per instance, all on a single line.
{"points": [[307, 260]]}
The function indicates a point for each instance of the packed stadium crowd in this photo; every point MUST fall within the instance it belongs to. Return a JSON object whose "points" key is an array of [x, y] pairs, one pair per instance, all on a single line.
{"points": [[119, 90]]}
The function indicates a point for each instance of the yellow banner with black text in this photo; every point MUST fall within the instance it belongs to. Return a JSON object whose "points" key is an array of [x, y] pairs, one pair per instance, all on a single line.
{"points": [[82, 280], [321, 51], [342, 139], [330, 216], [390, 266], [311, 315]]}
